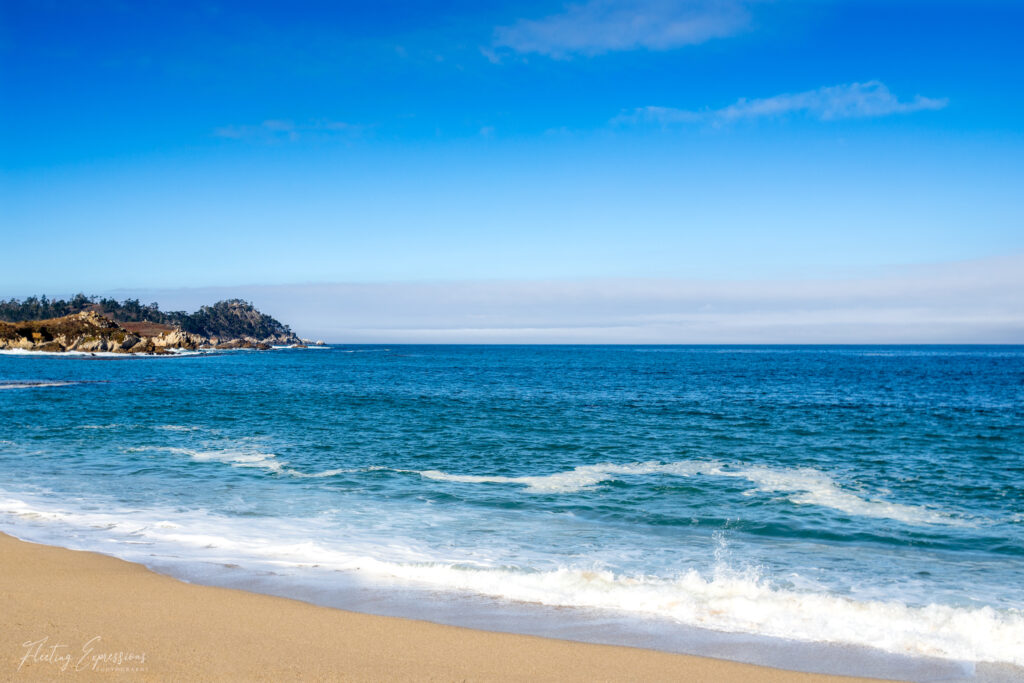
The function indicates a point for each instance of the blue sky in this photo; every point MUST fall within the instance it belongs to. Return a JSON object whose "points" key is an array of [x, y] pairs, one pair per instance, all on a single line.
{"points": [[155, 146]]}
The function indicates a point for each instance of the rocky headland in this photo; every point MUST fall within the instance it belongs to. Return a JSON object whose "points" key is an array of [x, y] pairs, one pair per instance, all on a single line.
{"points": [[91, 331]]}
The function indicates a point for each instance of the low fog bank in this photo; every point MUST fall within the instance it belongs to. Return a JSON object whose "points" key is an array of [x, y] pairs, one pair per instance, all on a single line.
{"points": [[965, 302]]}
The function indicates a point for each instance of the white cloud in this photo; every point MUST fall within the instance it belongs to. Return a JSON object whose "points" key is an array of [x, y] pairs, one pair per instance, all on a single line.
{"points": [[280, 130], [852, 100], [966, 302], [602, 26]]}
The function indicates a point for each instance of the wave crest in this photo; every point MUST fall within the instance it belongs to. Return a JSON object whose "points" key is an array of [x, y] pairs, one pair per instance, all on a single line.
{"points": [[804, 486]]}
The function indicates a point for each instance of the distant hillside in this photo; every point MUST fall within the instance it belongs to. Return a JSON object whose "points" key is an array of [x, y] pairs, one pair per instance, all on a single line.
{"points": [[231, 319]]}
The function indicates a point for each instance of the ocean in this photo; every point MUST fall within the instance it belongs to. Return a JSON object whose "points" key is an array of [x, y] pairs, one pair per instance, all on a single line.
{"points": [[833, 508]]}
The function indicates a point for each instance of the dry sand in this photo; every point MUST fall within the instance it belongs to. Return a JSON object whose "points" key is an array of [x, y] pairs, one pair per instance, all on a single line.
{"points": [[112, 619]]}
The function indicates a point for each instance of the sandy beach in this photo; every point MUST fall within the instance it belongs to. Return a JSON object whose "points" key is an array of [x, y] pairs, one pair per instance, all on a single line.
{"points": [[84, 615]]}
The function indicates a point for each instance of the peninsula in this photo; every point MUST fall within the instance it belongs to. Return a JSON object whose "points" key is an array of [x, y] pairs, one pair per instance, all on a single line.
{"points": [[86, 324]]}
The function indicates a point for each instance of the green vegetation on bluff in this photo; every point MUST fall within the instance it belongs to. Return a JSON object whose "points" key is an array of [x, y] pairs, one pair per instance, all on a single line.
{"points": [[233, 318], [230, 319]]}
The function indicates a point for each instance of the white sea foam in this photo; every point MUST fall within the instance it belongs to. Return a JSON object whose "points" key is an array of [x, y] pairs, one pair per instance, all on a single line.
{"points": [[242, 457], [164, 428], [351, 470], [173, 353], [233, 457], [72, 354], [319, 475], [298, 348], [724, 600], [743, 603], [34, 385], [804, 486], [32, 352]]}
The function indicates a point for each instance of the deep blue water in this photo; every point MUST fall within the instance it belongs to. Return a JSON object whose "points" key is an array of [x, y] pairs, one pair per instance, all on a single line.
{"points": [[868, 496]]}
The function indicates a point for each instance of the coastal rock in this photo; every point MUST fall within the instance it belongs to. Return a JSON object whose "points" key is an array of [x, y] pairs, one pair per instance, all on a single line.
{"points": [[143, 346], [17, 343], [129, 342], [89, 344], [147, 346], [90, 332], [179, 339]]}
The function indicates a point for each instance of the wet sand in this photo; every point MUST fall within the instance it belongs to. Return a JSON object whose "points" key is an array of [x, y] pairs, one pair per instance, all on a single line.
{"points": [[78, 615]]}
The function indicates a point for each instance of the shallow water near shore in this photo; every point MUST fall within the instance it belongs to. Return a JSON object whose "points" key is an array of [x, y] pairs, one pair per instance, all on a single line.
{"points": [[768, 504]]}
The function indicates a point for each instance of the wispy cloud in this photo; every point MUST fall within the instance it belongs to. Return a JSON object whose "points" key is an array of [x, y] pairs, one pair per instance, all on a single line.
{"points": [[602, 26], [282, 130], [852, 100]]}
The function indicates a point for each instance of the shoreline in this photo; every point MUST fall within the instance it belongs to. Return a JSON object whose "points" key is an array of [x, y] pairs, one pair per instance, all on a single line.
{"points": [[119, 619]]}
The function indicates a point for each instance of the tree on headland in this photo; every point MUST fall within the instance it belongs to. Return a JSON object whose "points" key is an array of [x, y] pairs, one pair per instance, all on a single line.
{"points": [[40, 308], [232, 318]]}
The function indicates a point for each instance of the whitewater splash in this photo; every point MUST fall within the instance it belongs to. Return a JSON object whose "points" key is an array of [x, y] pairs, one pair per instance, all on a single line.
{"points": [[805, 486], [722, 600]]}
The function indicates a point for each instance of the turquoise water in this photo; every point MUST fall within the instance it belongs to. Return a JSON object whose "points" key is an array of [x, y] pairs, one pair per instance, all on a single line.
{"points": [[859, 496]]}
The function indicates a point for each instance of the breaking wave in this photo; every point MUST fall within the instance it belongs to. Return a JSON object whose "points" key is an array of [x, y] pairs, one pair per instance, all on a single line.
{"points": [[721, 600], [803, 486]]}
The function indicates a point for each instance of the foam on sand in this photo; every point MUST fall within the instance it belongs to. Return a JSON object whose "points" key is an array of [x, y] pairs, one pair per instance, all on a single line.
{"points": [[722, 600]]}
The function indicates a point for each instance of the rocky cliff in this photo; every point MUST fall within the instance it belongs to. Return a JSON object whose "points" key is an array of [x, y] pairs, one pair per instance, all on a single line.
{"points": [[91, 332]]}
